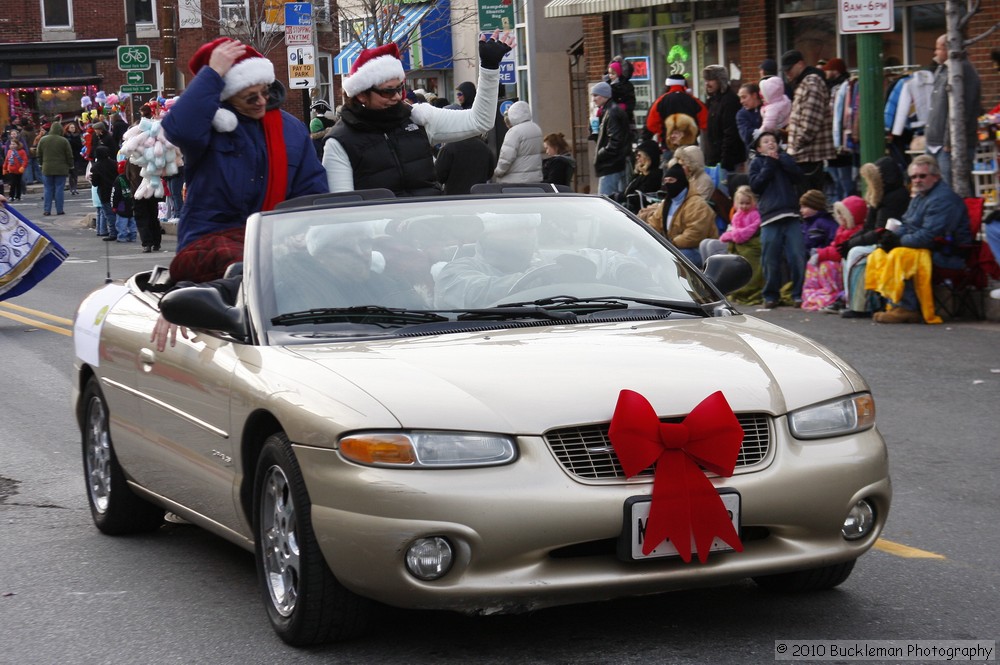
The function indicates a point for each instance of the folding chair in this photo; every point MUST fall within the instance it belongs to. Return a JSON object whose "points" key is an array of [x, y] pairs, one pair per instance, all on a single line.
{"points": [[957, 291]]}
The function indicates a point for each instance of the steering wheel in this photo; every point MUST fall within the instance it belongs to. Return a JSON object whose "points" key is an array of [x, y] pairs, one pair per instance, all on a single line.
{"points": [[539, 276]]}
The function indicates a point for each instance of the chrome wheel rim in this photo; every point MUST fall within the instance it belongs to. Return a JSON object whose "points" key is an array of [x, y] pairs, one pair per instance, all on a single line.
{"points": [[279, 541], [98, 456]]}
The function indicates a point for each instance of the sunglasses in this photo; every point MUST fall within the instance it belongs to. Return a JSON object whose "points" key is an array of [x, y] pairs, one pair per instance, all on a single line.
{"points": [[920, 176], [254, 98], [389, 93]]}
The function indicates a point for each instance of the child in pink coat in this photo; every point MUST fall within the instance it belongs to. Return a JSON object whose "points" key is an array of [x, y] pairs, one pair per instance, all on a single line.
{"points": [[777, 106], [824, 284]]}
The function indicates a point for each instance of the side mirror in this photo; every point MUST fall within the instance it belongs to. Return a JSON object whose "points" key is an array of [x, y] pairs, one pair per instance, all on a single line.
{"points": [[203, 307], [728, 272]]}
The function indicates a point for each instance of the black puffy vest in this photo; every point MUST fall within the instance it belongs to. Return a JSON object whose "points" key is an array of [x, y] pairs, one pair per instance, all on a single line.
{"points": [[400, 159]]}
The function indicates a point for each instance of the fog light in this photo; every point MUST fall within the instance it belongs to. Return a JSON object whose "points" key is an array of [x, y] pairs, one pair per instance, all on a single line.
{"points": [[429, 558], [860, 521]]}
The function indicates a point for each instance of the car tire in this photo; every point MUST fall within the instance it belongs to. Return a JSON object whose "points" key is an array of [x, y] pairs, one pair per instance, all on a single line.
{"points": [[305, 603], [115, 508], [814, 579]]}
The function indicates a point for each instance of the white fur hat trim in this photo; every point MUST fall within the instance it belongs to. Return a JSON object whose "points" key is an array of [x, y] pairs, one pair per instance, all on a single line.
{"points": [[245, 73], [374, 72]]}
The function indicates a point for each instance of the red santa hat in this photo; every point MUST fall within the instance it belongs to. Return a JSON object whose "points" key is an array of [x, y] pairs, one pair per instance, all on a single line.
{"points": [[251, 68], [373, 67]]}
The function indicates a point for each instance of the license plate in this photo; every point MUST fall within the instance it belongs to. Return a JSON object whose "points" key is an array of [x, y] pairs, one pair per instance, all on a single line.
{"points": [[637, 514]]}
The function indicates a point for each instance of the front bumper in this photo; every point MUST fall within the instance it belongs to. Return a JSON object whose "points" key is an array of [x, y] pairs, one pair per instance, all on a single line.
{"points": [[505, 522]]}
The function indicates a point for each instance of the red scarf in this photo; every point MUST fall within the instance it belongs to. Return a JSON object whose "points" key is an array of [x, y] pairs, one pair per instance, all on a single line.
{"points": [[277, 160]]}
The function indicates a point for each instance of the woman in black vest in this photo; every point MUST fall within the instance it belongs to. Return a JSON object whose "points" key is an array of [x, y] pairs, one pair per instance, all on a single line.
{"points": [[383, 142]]}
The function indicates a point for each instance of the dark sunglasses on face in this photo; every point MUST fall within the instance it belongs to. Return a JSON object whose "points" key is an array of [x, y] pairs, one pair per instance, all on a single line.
{"points": [[256, 97], [920, 176], [389, 93]]}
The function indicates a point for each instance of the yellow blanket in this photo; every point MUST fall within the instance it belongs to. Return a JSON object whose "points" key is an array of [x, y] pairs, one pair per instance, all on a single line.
{"points": [[886, 273]]}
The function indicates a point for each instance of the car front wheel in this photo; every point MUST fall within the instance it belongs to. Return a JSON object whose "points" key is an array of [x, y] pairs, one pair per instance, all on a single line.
{"points": [[814, 579], [115, 509], [305, 602]]}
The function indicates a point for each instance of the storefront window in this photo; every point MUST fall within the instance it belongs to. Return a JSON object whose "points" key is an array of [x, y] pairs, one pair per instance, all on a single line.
{"points": [[790, 6], [56, 13], [717, 9], [815, 36], [632, 18], [672, 14]]}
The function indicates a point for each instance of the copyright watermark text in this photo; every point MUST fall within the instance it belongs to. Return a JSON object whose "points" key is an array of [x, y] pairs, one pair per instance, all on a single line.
{"points": [[901, 650]]}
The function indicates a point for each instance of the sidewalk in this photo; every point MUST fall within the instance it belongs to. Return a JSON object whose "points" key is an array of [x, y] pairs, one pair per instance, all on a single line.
{"points": [[36, 189]]}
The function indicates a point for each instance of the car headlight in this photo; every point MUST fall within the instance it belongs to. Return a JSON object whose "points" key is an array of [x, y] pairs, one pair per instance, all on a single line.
{"points": [[844, 415], [428, 449]]}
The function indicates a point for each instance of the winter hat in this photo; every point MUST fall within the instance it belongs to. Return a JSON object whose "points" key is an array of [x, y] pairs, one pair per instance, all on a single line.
{"points": [[99, 126], [835, 65], [676, 80], [853, 209], [616, 66], [603, 89], [651, 149], [814, 199], [320, 106], [716, 73], [251, 68], [769, 67], [790, 59], [373, 67]]}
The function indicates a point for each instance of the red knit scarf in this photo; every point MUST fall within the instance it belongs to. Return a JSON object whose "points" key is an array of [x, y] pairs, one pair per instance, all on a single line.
{"points": [[277, 160]]}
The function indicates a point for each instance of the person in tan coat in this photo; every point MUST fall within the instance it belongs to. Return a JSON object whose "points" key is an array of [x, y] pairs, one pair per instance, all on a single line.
{"points": [[684, 217]]}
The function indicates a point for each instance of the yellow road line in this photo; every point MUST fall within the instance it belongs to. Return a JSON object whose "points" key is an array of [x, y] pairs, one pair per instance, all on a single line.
{"points": [[35, 312], [37, 324], [905, 550]]}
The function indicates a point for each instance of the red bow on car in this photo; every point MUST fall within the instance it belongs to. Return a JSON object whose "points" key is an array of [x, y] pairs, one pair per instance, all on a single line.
{"points": [[685, 505]]}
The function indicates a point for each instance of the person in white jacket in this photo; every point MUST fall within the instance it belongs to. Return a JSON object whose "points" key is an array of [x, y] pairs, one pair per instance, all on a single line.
{"points": [[520, 158], [383, 142]]}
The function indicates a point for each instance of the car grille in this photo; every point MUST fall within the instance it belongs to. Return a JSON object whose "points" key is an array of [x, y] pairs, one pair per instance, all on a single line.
{"points": [[586, 452]]}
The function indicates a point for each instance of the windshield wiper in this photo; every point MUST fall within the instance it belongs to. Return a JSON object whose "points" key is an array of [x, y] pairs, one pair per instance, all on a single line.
{"points": [[515, 311], [359, 314], [608, 302]]}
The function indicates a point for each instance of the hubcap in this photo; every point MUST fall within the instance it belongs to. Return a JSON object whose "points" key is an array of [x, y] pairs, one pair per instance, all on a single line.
{"points": [[98, 456], [279, 541]]}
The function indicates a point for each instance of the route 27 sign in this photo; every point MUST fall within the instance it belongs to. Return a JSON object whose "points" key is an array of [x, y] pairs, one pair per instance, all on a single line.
{"points": [[860, 16]]}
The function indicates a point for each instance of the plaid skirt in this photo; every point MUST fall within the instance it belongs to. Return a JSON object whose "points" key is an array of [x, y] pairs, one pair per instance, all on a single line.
{"points": [[208, 257]]}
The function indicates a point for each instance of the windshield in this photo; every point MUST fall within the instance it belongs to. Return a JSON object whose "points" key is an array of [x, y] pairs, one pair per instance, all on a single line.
{"points": [[372, 263]]}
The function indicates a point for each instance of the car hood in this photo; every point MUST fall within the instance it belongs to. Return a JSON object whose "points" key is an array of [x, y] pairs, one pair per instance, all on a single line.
{"points": [[528, 380]]}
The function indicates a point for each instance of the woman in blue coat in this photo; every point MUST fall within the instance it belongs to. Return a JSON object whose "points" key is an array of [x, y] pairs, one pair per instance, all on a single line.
{"points": [[242, 154]]}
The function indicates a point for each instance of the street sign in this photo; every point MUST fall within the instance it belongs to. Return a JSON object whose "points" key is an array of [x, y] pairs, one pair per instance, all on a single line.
{"points": [[139, 89], [301, 67], [133, 56], [298, 23], [861, 16], [135, 77]]}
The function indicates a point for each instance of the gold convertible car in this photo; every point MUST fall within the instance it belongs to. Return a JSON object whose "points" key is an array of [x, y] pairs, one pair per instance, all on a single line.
{"points": [[490, 403]]}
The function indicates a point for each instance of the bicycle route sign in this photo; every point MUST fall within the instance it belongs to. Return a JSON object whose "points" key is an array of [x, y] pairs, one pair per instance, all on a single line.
{"points": [[133, 56]]}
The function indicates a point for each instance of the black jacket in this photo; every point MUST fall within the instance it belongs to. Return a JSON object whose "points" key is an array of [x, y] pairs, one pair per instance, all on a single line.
{"points": [[462, 164], [723, 144], [613, 146], [387, 151]]}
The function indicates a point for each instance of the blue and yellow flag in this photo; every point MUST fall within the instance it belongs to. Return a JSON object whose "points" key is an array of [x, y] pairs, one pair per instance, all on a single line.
{"points": [[27, 253]]}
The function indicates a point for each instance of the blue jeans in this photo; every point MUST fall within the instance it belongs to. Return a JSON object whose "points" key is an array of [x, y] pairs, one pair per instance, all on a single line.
{"points": [[54, 188], [843, 181], [992, 231], [31, 173], [611, 183], [105, 220], [693, 255], [782, 239], [126, 229], [943, 158]]}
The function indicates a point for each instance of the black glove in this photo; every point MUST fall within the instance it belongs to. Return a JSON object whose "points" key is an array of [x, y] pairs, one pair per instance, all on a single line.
{"points": [[843, 248], [491, 52], [888, 241]]}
